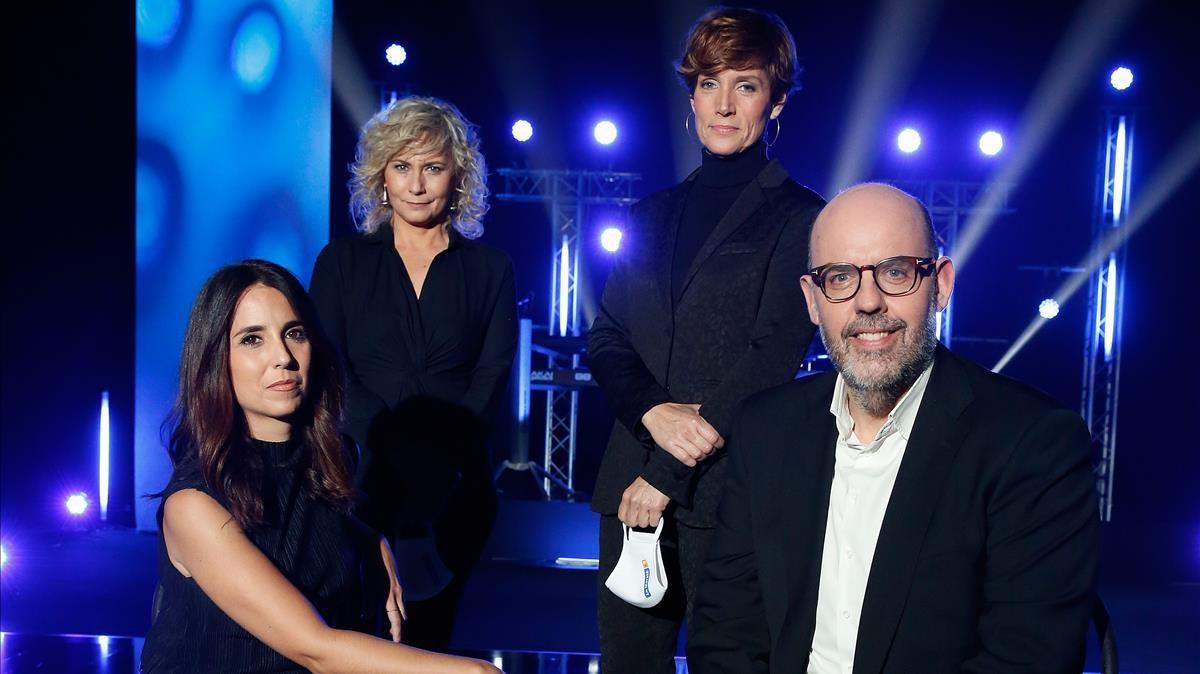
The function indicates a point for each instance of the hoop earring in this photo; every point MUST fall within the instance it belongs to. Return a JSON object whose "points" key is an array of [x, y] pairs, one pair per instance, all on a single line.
{"points": [[778, 130], [687, 122], [384, 201]]}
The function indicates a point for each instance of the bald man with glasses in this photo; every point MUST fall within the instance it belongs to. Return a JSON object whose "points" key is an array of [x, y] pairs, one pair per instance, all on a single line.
{"points": [[909, 512]]}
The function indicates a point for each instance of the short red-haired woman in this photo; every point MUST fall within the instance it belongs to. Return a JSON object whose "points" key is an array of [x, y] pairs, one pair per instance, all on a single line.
{"points": [[703, 309]]}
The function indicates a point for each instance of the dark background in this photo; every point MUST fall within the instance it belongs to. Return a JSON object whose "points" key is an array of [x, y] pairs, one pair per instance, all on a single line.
{"points": [[68, 285]]}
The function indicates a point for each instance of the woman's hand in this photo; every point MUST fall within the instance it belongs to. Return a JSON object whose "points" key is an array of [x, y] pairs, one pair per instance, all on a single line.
{"points": [[682, 432], [395, 599], [642, 505]]}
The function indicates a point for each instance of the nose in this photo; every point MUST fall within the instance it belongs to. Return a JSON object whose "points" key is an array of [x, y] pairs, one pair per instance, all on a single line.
{"points": [[725, 102], [870, 299], [416, 182], [281, 356]]}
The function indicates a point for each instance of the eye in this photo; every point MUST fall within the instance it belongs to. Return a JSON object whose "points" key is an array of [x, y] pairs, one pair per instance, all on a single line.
{"points": [[297, 334], [400, 166], [435, 168], [250, 340], [708, 84], [746, 87]]}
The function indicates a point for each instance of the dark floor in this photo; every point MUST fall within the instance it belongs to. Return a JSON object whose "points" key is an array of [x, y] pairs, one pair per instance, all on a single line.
{"points": [[100, 582]]}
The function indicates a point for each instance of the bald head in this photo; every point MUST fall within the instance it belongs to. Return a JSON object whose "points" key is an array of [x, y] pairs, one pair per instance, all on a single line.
{"points": [[870, 208]]}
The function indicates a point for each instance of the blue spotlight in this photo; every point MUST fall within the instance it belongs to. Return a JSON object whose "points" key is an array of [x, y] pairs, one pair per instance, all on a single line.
{"points": [[77, 504], [3, 555], [1048, 308], [605, 132], [908, 141], [395, 54], [1121, 78], [610, 239], [990, 143], [522, 130], [255, 50]]}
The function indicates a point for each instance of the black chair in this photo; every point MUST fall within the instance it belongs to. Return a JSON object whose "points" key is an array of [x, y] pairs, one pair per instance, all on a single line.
{"points": [[1106, 636]]}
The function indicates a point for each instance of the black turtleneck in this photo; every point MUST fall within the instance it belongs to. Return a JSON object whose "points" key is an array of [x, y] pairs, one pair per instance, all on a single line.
{"points": [[720, 180]]}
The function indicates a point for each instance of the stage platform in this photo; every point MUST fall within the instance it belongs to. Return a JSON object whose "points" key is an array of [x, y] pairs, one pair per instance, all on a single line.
{"points": [[62, 590]]}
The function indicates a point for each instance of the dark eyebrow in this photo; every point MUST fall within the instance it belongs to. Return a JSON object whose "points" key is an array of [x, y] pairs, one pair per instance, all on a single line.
{"points": [[293, 324], [248, 328]]}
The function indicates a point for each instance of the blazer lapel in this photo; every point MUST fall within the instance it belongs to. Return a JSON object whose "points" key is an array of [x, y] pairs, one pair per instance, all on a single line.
{"points": [[749, 201], [935, 440], [665, 225], [805, 474]]}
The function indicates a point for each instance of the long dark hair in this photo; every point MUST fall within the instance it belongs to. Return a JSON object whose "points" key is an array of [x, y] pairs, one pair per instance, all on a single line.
{"points": [[208, 433]]}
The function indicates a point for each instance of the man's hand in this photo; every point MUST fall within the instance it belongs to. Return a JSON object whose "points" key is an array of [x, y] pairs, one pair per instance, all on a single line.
{"points": [[642, 505], [681, 431]]}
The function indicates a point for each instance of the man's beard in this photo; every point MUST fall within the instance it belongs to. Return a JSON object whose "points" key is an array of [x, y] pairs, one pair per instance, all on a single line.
{"points": [[878, 380]]}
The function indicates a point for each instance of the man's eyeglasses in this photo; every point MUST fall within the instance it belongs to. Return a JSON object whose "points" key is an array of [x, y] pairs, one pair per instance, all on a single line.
{"points": [[895, 276]]}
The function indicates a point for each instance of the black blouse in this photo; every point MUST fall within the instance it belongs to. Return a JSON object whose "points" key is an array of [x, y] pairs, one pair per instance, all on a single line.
{"points": [[454, 344], [333, 560]]}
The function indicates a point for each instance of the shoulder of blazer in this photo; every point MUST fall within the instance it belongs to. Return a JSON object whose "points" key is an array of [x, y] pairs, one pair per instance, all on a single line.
{"points": [[661, 199], [799, 397], [999, 391], [781, 190]]}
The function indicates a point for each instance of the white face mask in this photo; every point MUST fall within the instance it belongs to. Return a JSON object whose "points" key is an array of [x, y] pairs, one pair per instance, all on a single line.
{"points": [[638, 577]]}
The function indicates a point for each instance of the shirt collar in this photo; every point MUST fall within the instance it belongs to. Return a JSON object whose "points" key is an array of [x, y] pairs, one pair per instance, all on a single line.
{"points": [[384, 235], [901, 418]]}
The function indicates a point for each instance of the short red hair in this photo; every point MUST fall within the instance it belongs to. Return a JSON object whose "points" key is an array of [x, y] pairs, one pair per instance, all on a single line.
{"points": [[728, 38]]}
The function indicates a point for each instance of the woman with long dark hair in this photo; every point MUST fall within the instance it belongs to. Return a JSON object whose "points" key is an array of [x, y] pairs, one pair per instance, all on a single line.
{"points": [[260, 567]]}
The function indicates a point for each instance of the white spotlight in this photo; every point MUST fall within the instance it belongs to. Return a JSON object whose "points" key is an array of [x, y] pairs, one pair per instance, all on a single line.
{"points": [[908, 141], [1048, 308], [990, 143], [522, 130], [610, 239], [395, 54], [1121, 78], [605, 132]]}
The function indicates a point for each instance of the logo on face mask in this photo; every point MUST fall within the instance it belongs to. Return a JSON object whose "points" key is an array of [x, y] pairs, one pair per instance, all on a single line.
{"points": [[646, 578]]}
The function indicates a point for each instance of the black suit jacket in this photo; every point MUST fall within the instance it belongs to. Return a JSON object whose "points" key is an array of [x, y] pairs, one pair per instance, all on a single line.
{"points": [[985, 561], [739, 327]]}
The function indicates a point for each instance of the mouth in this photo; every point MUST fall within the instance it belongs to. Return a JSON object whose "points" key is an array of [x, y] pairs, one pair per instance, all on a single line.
{"points": [[874, 337], [418, 203], [723, 128], [285, 385]]}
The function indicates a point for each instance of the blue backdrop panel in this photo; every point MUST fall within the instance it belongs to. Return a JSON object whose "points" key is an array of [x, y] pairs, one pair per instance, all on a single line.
{"points": [[233, 103]]}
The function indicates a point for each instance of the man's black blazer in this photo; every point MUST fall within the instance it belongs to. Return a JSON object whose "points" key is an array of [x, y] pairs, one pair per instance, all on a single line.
{"points": [[738, 327], [986, 558]]}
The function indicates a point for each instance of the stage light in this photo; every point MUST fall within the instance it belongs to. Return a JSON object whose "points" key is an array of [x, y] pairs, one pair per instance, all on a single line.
{"points": [[157, 20], [77, 503], [1110, 306], [605, 132], [522, 130], [1121, 78], [395, 54], [3, 555], [255, 50], [908, 141], [610, 239], [990, 143], [1048, 308], [564, 274], [104, 455]]}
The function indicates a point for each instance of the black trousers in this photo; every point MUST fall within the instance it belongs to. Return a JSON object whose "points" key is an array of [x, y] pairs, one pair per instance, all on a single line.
{"points": [[635, 640]]}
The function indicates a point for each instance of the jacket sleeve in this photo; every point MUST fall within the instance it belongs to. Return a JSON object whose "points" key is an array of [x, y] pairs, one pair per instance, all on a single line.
{"points": [[782, 330], [327, 289], [1042, 547], [499, 345], [727, 630], [629, 386]]}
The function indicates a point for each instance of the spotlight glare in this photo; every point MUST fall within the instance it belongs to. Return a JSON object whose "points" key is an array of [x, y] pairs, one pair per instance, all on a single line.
{"points": [[77, 504], [395, 54], [1121, 78], [610, 239], [908, 141], [990, 143], [1048, 308], [522, 130], [605, 132], [3, 555]]}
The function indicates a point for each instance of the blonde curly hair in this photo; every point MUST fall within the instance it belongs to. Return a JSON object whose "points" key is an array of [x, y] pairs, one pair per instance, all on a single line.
{"points": [[417, 121]]}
